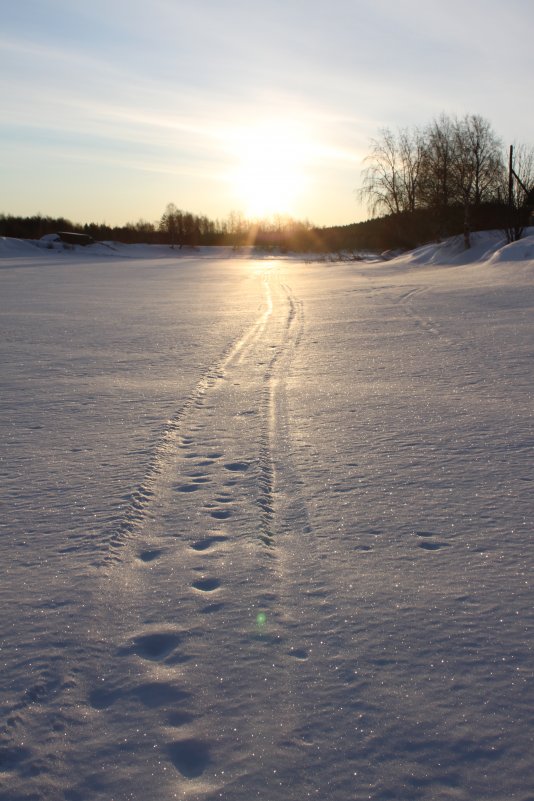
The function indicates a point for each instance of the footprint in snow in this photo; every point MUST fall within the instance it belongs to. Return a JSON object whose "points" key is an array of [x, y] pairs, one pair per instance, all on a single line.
{"points": [[154, 646], [152, 695], [206, 584], [189, 757], [433, 546], [158, 694], [237, 467], [208, 542], [177, 719], [12, 756], [221, 514], [298, 653], [430, 545], [150, 555]]}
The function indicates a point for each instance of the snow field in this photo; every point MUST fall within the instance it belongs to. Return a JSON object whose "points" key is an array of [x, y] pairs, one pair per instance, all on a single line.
{"points": [[268, 527]]}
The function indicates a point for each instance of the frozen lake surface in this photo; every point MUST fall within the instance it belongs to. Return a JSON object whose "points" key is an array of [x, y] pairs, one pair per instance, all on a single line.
{"points": [[266, 526]]}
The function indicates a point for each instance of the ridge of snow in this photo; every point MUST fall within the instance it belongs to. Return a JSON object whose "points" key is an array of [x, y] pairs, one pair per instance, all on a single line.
{"points": [[486, 246]]}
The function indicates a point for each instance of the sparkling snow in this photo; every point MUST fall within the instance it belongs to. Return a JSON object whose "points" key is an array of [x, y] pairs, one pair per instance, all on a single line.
{"points": [[266, 525]]}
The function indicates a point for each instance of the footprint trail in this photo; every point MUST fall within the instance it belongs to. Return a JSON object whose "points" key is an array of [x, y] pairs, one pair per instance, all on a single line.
{"points": [[198, 653]]}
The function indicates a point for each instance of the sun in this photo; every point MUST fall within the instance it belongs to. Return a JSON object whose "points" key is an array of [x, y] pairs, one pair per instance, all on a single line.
{"points": [[270, 176]]}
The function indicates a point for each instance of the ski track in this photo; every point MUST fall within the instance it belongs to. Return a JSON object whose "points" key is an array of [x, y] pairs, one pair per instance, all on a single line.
{"points": [[140, 500], [208, 517], [412, 304]]}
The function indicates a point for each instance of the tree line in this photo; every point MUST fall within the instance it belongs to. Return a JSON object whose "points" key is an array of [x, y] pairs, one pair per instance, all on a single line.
{"points": [[452, 173], [177, 229]]}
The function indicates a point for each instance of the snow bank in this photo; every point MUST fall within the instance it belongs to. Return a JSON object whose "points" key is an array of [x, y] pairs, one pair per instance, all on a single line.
{"points": [[452, 251], [10, 247], [516, 251], [51, 244], [488, 246]]}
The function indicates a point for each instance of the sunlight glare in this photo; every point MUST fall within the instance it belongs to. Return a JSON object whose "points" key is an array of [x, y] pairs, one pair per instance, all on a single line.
{"points": [[270, 175]]}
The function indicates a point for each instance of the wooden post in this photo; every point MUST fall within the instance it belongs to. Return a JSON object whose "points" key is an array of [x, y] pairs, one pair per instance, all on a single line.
{"points": [[511, 178]]}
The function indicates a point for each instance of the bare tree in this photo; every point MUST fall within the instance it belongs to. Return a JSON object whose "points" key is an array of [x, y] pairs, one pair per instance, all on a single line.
{"points": [[437, 182], [393, 181], [237, 228], [486, 153], [450, 164], [477, 166], [411, 145], [170, 223], [382, 179], [190, 229]]}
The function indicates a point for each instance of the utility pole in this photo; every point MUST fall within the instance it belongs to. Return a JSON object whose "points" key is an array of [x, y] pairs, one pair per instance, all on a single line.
{"points": [[511, 175], [515, 226], [511, 179]]}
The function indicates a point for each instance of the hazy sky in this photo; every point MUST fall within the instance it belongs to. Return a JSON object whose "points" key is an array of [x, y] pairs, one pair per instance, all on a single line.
{"points": [[111, 109]]}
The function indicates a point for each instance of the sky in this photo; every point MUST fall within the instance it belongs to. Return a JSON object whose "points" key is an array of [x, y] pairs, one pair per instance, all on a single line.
{"points": [[110, 110]]}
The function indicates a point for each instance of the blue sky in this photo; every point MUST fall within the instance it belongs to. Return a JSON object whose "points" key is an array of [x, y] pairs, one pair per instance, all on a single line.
{"points": [[110, 110]]}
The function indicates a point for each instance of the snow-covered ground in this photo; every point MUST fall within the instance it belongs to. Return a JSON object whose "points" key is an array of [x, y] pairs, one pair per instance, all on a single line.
{"points": [[266, 525]]}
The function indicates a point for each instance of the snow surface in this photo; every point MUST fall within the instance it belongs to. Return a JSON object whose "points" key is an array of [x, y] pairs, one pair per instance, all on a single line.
{"points": [[266, 525]]}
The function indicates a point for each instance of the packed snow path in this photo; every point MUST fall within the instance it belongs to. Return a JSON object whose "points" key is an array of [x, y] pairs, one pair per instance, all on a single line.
{"points": [[313, 581]]}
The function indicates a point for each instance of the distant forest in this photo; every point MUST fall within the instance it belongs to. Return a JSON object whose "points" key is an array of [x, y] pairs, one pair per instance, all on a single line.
{"points": [[400, 230], [420, 185]]}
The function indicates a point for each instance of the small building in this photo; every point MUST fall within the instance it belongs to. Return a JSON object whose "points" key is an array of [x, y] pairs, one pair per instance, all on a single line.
{"points": [[72, 238], [68, 238]]}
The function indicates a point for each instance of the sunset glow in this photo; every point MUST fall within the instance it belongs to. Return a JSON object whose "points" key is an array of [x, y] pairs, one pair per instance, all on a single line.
{"points": [[270, 173], [265, 112]]}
